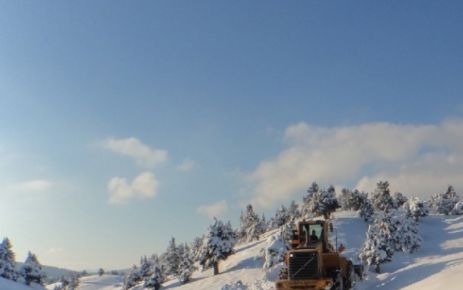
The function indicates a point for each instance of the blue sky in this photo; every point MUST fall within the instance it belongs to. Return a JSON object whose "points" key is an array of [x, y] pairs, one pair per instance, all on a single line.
{"points": [[254, 99]]}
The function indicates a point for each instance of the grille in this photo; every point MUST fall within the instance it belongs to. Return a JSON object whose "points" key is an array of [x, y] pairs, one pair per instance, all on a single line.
{"points": [[303, 266]]}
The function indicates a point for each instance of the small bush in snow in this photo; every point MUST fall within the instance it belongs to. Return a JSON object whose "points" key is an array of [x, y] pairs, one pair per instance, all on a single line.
{"points": [[235, 286], [458, 208], [132, 278], [274, 250]]}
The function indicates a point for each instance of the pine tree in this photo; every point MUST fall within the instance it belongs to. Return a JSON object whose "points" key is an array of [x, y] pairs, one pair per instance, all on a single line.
{"points": [[399, 199], [281, 217], [293, 210], [196, 247], [250, 225], [444, 203], [381, 198], [416, 208], [100, 272], [319, 201], [31, 270], [186, 266], [132, 278], [219, 245], [7, 261], [352, 200], [171, 258], [145, 269], [378, 246], [156, 277], [404, 230], [367, 211]]}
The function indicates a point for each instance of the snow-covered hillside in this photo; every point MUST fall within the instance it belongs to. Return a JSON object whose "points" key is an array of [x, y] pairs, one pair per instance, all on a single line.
{"points": [[438, 264], [11, 285]]}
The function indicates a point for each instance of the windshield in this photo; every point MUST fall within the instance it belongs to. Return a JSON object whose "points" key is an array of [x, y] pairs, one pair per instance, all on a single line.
{"points": [[311, 232]]}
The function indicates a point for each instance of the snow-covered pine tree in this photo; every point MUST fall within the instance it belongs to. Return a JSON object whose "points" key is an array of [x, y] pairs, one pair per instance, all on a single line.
{"points": [[250, 225], [156, 277], [132, 278], [404, 230], [146, 267], [186, 266], [367, 211], [444, 203], [31, 270], [73, 283], [399, 199], [171, 258], [7, 261], [381, 198], [281, 217], [293, 210], [378, 246], [319, 201], [352, 200], [196, 247], [219, 245], [416, 208]]}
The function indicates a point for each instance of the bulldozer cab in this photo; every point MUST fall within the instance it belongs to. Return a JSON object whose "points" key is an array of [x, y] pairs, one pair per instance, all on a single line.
{"points": [[310, 233]]}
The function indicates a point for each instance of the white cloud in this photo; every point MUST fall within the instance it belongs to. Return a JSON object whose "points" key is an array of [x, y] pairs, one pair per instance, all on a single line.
{"points": [[143, 186], [213, 210], [36, 185], [417, 159], [55, 250], [141, 153], [186, 165]]}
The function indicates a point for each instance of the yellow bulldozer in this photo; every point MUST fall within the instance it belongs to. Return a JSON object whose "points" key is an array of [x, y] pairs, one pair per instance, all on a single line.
{"points": [[313, 263]]}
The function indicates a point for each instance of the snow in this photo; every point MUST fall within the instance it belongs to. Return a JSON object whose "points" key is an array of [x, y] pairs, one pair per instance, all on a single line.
{"points": [[438, 264], [11, 285]]}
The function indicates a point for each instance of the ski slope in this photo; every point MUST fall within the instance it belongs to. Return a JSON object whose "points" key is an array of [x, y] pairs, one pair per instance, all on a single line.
{"points": [[438, 265]]}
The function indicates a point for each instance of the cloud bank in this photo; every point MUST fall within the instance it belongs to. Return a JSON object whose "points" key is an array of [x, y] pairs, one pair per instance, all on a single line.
{"points": [[141, 153], [416, 159], [36, 185], [213, 210], [143, 186]]}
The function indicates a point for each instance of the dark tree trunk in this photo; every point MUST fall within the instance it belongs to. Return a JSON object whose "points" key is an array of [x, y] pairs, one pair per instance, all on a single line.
{"points": [[377, 268], [216, 268]]}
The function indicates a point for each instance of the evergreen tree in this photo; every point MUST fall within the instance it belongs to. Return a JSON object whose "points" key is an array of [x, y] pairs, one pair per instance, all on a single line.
{"points": [[444, 203], [146, 266], [404, 230], [293, 210], [156, 277], [416, 208], [7, 261], [172, 258], [132, 278], [196, 247], [31, 270], [319, 201], [378, 246], [281, 217], [399, 199], [219, 245], [382, 199], [100, 272], [352, 200], [186, 266], [73, 283], [367, 211], [250, 225]]}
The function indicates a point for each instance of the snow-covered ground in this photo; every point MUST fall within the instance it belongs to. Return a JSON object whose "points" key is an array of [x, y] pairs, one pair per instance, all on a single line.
{"points": [[439, 263], [10, 285]]}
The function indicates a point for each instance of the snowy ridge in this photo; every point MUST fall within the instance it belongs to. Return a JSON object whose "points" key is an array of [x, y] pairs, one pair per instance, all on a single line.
{"points": [[438, 264]]}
